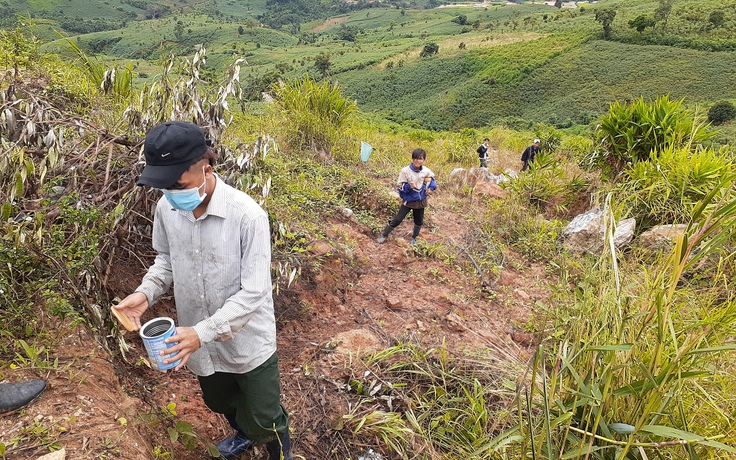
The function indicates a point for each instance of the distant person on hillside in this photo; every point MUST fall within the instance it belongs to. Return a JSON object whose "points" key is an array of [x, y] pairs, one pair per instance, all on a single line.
{"points": [[214, 245], [483, 153], [528, 155], [416, 182]]}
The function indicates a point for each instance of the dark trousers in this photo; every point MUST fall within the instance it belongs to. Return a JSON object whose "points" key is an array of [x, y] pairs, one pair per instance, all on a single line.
{"points": [[252, 399], [401, 215]]}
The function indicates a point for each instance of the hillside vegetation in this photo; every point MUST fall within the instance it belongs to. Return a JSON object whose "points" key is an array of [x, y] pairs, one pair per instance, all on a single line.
{"points": [[630, 350], [511, 64]]}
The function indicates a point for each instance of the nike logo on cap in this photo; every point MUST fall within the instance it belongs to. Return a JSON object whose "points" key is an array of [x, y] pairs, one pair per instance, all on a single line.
{"points": [[165, 154]]}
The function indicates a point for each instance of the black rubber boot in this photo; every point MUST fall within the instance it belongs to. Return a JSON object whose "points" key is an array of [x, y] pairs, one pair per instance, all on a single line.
{"points": [[384, 234], [234, 445], [280, 449], [415, 234], [16, 395]]}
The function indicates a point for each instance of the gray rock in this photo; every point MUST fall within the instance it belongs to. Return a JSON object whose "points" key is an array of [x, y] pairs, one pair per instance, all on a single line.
{"points": [[586, 233]]}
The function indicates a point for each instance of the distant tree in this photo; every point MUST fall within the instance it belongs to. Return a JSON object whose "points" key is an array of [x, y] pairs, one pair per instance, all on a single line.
{"points": [[322, 63], [461, 19], [179, 30], [605, 16], [241, 31], [346, 33], [430, 49], [662, 13], [641, 22], [558, 3], [716, 19], [721, 112], [284, 67]]}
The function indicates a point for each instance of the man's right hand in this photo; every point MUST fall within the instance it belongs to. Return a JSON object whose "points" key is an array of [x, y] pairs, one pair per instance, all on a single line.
{"points": [[133, 307]]}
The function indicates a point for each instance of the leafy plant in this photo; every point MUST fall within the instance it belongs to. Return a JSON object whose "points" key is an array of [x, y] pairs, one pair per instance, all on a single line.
{"points": [[631, 132], [178, 430], [628, 380], [667, 188], [111, 81], [317, 113]]}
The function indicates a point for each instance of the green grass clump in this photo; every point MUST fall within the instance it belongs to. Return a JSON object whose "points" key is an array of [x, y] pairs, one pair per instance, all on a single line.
{"points": [[317, 113], [629, 373], [668, 187]]}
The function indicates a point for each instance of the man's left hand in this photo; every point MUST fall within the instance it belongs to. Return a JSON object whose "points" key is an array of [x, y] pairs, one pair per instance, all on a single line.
{"points": [[188, 344]]}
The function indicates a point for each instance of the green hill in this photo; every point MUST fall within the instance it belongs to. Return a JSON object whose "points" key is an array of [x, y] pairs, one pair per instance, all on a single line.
{"points": [[514, 64]]}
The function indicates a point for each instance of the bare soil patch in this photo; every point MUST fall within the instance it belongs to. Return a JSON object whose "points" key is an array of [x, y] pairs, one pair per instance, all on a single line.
{"points": [[329, 23]]}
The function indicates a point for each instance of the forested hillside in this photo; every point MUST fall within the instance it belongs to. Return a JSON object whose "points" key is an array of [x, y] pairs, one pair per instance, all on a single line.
{"points": [[464, 65]]}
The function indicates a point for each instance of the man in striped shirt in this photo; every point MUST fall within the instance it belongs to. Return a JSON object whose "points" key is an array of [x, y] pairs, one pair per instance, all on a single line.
{"points": [[213, 245]]}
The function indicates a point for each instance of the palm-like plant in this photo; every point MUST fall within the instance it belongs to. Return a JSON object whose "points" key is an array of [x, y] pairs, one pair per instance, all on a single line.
{"points": [[631, 132]]}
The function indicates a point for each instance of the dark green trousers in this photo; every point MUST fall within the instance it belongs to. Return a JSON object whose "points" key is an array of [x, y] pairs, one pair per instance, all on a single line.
{"points": [[252, 399]]}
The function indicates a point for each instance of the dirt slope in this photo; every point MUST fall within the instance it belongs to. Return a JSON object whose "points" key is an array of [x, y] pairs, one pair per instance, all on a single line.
{"points": [[361, 296]]}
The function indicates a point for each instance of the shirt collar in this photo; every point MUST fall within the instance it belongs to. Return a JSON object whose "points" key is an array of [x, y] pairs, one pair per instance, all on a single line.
{"points": [[411, 165], [218, 203]]}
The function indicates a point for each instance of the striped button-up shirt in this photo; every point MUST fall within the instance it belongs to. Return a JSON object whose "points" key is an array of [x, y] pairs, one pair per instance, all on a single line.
{"points": [[220, 265]]}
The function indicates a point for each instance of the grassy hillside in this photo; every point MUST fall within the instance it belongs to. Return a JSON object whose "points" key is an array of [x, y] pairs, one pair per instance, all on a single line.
{"points": [[513, 64]]}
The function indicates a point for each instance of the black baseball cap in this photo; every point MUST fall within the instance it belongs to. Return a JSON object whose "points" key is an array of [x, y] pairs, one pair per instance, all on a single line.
{"points": [[169, 149]]}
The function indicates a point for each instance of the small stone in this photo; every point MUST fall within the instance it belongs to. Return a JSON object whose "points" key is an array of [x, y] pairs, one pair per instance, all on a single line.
{"points": [[394, 304]]}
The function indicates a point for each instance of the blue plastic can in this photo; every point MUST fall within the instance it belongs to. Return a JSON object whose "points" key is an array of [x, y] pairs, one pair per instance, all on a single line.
{"points": [[153, 334]]}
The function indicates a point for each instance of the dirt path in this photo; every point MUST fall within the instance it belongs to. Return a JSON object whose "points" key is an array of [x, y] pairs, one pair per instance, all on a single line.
{"points": [[361, 296]]}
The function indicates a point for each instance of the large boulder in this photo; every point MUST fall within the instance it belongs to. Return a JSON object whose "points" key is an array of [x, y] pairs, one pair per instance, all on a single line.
{"points": [[490, 190], [586, 233]]}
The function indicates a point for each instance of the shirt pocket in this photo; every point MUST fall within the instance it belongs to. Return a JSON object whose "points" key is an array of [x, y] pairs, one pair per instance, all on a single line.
{"points": [[226, 274]]}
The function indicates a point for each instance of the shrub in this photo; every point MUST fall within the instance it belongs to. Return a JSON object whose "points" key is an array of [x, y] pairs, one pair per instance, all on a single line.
{"points": [[630, 132], [548, 186], [667, 188], [316, 112], [430, 49], [721, 112]]}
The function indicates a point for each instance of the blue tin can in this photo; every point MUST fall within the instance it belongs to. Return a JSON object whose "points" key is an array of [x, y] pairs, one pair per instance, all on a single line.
{"points": [[153, 334]]}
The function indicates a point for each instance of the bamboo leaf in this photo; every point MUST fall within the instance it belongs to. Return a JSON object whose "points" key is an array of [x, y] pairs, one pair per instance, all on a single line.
{"points": [[583, 451], [621, 347]]}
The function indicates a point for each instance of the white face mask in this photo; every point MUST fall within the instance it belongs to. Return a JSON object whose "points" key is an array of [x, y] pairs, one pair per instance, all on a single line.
{"points": [[186, 200]]}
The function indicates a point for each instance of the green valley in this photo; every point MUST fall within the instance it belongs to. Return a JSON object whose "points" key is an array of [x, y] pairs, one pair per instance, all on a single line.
{"points": [[498, 63]]}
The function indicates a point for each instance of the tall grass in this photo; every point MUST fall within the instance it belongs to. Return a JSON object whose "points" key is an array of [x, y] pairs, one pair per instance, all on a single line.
{"points": [[430, 403], [317, 113], [635, 375]]}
